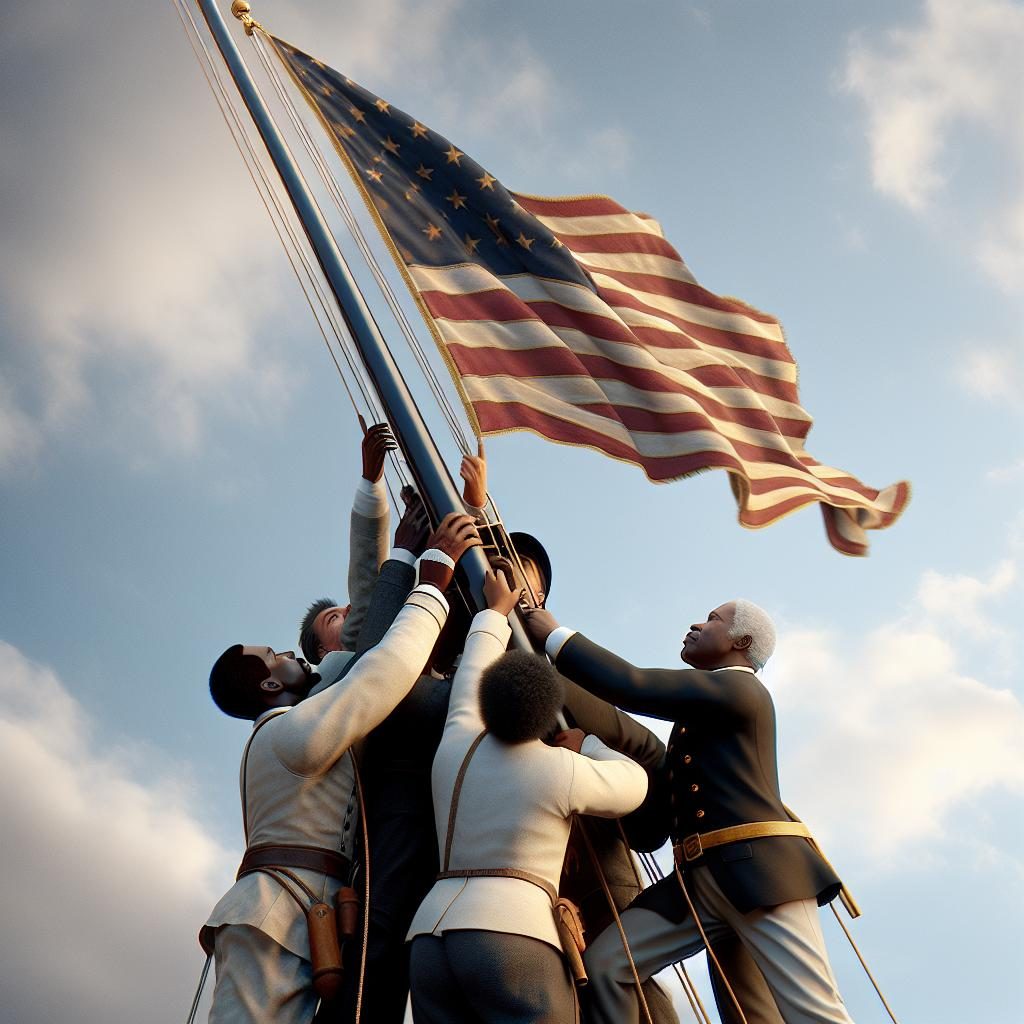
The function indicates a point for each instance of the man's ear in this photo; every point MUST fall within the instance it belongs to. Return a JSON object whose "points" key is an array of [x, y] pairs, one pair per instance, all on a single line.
{"points": [[270, 685], [743, 642]]}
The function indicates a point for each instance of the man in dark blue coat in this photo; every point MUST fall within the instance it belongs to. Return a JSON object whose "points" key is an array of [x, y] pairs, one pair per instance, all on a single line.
{"points": [[746, 867]]}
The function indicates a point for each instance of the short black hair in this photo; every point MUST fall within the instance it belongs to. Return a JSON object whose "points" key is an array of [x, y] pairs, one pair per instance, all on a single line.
{"points": [[520, 697], [307, 638], [234, 683]]}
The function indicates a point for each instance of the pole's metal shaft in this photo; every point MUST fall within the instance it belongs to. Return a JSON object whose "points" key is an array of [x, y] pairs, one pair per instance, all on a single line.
{"points": [[421, 453]]}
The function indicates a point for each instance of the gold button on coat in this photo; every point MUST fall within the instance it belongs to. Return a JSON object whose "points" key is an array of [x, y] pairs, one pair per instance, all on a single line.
{"points": [[687, 759], [700, 814]]}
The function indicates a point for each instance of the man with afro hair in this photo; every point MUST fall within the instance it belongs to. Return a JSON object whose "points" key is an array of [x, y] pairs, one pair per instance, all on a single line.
{"points": [[484, 941]]}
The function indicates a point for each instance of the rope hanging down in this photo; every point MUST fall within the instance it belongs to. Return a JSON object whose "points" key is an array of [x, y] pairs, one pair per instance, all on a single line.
{"points": [[344, 208], [302, 264]]}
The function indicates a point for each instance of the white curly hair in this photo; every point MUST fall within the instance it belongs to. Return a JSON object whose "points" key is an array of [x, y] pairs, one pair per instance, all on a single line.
{"points": [[753, 621]]}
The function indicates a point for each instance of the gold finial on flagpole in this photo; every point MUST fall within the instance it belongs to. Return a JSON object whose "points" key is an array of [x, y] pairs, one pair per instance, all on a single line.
{"points": [[240, 9]]}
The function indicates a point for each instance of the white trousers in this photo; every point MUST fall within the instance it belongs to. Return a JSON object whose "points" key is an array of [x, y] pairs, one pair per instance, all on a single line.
{"points": [[785, 941], [258, 980]]}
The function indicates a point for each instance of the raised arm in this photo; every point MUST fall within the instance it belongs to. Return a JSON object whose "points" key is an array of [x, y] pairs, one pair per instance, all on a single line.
{"points": [[397, 575], [311, 737], [613, 727], [605, 783], [368, 530], [317, 731], [657, 692], [487, 641]]}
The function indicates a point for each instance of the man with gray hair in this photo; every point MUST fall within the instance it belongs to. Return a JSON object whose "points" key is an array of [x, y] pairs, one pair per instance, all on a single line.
{"points": [[744, 865]]}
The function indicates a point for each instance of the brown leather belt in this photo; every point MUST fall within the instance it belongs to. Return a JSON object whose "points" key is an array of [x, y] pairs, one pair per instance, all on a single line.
{"points": [[309, 858], [694, 846], [525, 876]]}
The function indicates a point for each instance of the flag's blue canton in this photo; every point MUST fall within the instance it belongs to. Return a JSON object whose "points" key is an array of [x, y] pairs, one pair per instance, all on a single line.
{"points": [[439, 205]]}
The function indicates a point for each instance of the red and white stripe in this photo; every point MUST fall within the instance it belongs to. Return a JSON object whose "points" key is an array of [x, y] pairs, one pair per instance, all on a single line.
{"points": [[653, 369]]}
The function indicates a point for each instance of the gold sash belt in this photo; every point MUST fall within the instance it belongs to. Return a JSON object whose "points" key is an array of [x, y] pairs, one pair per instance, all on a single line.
{"points": [[694, 846]]}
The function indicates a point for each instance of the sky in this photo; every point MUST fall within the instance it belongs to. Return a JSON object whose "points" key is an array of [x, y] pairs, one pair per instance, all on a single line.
{"points": [[177, 454]]}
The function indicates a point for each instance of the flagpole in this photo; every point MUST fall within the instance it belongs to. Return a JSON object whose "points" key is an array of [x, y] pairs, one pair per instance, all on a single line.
{"points": [[432, 476]]}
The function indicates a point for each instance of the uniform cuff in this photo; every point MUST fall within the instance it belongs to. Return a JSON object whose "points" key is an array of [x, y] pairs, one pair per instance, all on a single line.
{"points": [[403, 555], [489, 621], [556, 641], [430, 599], [434, 555], [591, 744], [371, 499]]}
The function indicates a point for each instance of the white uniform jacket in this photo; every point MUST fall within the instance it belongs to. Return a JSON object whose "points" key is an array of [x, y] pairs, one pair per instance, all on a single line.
{"points": [[514, 810], [298, 777]]}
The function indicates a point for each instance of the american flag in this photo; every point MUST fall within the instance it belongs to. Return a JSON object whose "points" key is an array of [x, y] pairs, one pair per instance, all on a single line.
{"points": [[575, 319]]}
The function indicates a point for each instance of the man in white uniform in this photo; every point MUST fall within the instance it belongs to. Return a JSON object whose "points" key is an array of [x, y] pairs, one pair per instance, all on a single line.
{"points": [[295, 779], [485, 944]]}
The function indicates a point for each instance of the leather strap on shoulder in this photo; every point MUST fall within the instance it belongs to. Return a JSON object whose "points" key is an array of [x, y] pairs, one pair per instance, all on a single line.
{"points": [[245, 765], [455, 798]]}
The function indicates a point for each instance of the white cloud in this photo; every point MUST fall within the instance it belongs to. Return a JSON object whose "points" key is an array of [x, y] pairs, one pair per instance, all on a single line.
{"points": [[106, 880], [1004, 474], [19, 438], [958, 68], [146, 282], [889, 737], [992, 373]]}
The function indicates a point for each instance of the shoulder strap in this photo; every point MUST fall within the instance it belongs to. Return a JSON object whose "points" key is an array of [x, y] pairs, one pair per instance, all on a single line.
{"points": [[245, 765], [455, 798]]}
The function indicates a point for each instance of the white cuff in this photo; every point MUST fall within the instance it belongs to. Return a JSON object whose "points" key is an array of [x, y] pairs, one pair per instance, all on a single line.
{"points": [[556, 641], [371, 499], [590, 745], [490, 621], [429, 588], [434, 555], [403, 555], [472, 510]]}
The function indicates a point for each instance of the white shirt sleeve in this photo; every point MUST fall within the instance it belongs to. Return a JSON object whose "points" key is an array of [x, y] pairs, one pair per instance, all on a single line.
{"points": [[318, 730], [604, 782], [556, 640], [371, 499], [487, 640]]}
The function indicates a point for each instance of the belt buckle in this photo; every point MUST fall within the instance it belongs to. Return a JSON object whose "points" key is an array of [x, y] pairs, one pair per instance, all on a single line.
{"points": [[692, 848]]}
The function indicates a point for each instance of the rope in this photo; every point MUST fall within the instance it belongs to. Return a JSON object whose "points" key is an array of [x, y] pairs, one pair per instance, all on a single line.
{"points": [[618, 921], [863, 964], [707, 945], [199, 990], [308, 279], [689, 989], [343, 206], [366, 882]]}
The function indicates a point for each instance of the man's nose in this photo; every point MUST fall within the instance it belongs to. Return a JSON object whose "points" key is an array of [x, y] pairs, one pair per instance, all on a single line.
{"points": [[287, 654]]}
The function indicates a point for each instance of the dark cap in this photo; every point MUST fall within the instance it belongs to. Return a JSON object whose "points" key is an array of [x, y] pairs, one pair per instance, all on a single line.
{"points": [[529, 547]]}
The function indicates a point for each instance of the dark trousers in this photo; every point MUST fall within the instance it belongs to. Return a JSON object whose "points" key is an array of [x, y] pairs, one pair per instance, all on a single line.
{"points": [[479, 977], [403, 866]]}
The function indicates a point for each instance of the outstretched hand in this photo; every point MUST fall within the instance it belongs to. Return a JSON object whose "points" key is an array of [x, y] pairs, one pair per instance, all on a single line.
{"points": [[414, 526], [474, 471], [501, 598], [456, 534], [540, 624], [377, 442]]}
